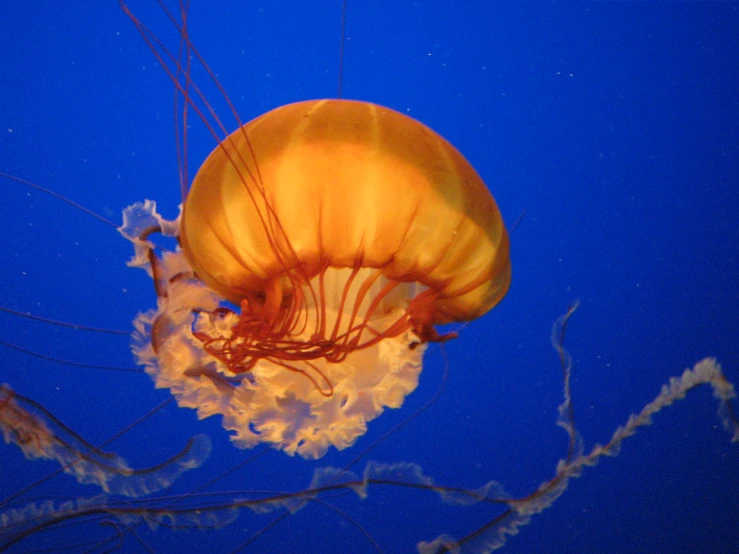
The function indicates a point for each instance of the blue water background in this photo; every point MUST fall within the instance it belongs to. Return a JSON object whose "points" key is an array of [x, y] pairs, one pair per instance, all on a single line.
{"points": [[615, 125]]}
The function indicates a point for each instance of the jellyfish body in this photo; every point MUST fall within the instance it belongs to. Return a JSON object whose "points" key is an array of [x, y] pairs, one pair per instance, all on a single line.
{"points": [[344, 231], [346, 184]]}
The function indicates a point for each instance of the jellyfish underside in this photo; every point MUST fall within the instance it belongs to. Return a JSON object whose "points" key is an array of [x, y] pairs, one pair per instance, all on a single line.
{"points": [[39, 434]]}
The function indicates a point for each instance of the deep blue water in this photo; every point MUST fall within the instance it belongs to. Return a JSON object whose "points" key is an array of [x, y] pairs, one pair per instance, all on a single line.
{"points": [[615, 125]]}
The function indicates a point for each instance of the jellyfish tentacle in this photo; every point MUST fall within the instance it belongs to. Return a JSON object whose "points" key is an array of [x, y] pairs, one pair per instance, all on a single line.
{"points": [[494, 534], [40, 435]]}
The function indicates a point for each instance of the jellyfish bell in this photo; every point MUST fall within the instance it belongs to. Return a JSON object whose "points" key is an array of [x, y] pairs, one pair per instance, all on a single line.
{"points": [[344, 184], [344, 231]]}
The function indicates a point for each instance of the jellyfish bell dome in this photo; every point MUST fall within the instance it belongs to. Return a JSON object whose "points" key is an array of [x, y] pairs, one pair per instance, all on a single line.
{"points": [[344, 232], [343, 184]]}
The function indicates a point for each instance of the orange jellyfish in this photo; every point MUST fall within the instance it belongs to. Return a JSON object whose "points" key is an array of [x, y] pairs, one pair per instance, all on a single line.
{"points": [[344, 232], [321, 245]]}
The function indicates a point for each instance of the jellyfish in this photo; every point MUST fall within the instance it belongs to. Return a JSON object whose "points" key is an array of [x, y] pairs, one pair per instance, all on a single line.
{"points": [[344, 231], [196, 346]]}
